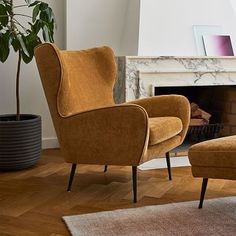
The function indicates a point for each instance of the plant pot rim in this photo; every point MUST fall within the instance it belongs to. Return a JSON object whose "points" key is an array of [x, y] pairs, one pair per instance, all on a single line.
{"points": [[25, 118]]}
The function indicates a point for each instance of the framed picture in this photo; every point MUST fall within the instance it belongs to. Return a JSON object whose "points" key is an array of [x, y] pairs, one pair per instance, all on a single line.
{"points": [[204, 30], [218, 45]]}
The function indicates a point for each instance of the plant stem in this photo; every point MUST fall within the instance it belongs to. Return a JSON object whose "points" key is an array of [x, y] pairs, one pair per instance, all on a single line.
{"points": [[14, 28], [23, 15], [24, 5], [18, 86]]}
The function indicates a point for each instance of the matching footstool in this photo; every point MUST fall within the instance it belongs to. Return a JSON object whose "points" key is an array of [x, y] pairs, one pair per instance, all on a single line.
{"points": [[214, 159]]}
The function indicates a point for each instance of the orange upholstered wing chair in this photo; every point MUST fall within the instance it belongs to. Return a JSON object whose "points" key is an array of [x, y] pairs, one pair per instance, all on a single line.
{"points": [[90, 127]]}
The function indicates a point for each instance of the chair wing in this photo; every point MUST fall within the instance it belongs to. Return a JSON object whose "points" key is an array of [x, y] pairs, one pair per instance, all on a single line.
{"points": [[87, 80], [83, 80], [49, 66]]}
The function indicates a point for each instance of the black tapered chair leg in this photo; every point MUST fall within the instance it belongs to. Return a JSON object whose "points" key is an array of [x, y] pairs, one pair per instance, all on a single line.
{"points": [[134, 177], [168, 165], [203, 191], [105, 169], [72, 173]]}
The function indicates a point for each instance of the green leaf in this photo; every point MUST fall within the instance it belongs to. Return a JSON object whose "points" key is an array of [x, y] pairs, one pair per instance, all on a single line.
{"points": [[35, 12], [4, 46], [15, 44], [31, 41], [8, 8], [46, 36], [22, 44], [34, 3], [25, 58], [44, 16], [3, 15], [43, 6], [36, 27], [51, 31], [49, 14]]}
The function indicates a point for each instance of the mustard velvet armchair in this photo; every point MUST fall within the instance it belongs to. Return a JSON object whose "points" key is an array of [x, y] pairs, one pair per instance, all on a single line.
{"points": [[90, 127]]}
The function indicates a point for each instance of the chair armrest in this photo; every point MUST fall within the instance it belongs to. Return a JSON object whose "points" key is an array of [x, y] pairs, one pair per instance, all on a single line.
{"points": [[116, 135], [167, 105]]}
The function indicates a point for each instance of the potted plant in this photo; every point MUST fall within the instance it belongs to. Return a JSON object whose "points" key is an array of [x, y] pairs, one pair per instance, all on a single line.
{"points": [[20, 134]]}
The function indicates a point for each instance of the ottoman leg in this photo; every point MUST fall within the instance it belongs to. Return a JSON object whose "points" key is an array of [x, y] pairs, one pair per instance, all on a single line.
{"points": [[134, 176], [105, 168], [168, 165], [203, 191]]}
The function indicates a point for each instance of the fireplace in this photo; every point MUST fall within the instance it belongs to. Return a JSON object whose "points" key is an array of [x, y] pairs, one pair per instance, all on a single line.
{"points": [[208, 98], [219, 101]]}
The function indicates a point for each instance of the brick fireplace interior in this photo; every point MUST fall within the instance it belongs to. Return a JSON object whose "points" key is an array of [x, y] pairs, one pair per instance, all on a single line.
{"points": [[219, 101]]}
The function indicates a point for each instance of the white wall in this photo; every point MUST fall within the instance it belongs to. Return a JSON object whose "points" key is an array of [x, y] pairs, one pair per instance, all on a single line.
{"points": [[93, 23], [166, 26], [114, 23], [32, 96], [130, 33], [233, 4]]}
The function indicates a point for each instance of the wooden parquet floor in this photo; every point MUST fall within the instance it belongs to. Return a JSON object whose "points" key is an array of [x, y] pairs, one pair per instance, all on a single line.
{"points": [[33, 201]]}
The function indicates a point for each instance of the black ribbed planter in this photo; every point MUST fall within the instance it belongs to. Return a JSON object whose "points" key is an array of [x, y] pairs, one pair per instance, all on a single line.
{"points": [[20, 141]]}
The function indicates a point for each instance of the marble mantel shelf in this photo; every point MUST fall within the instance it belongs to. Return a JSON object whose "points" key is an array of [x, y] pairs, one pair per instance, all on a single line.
{"points": [[178, 57], [138, 74], [184, 71]]}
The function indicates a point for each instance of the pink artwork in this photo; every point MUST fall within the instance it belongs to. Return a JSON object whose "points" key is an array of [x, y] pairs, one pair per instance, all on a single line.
{"points": [[218, 45]]}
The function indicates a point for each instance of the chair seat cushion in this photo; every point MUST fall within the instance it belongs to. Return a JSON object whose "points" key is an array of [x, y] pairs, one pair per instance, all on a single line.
{"points": [[163, 128], [218, 153]]}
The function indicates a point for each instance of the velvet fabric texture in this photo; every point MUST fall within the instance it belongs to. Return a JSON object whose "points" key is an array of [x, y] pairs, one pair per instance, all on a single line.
{"points": [[214, 158], [163, 128], [87, 79], [90, 127]]}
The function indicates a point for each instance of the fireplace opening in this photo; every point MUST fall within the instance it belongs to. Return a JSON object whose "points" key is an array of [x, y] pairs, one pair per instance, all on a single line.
{"points": [[218, 103]]}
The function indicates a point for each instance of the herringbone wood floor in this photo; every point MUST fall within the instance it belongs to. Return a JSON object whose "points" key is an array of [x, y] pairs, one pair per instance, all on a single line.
{"points": [[33, 201]]}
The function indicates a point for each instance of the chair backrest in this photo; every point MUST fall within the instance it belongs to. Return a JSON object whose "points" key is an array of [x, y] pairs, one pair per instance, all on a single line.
{"points": [[76, 81]]}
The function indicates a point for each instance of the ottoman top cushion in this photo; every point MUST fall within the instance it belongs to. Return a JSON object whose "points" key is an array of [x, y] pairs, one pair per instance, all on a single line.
{"points": [[219, 152]]}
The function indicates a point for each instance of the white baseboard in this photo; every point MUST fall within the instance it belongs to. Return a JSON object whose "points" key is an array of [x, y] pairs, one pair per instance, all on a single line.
{"points": [[160, 163], [50, 143]]}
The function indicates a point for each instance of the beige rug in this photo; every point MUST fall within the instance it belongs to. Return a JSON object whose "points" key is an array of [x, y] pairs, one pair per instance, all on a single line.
{"points": [[217, 218]]}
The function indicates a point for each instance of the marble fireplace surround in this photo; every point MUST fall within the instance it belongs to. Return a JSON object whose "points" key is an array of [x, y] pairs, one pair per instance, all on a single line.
{"points": [[137, 75]]}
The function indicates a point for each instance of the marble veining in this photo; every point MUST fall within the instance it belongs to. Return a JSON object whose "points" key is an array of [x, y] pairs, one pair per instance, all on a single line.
{"points": [[140, 74]]}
